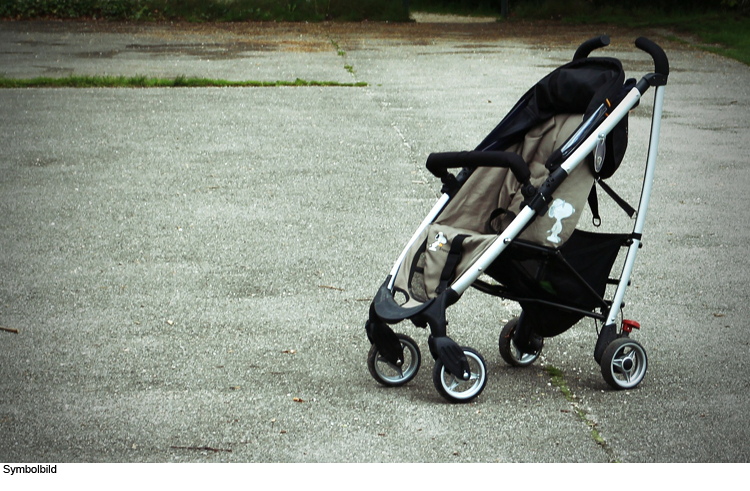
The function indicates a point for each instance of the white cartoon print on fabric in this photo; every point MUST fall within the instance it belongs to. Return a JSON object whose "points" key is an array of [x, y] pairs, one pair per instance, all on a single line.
{"points": [[559, 210], [440, 241]]}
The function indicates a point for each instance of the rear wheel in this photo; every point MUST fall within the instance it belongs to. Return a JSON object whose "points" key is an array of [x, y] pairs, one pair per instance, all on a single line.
{"points": [[624, 363], [456, 389], [508, 351], [389, 374]]}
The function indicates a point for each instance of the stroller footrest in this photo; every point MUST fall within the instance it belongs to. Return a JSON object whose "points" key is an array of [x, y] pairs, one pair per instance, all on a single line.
{"points": [[391, 312]]}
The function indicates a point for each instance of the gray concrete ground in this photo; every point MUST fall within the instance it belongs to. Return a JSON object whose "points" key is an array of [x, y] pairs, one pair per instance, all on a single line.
{"points": [[189, 270]]}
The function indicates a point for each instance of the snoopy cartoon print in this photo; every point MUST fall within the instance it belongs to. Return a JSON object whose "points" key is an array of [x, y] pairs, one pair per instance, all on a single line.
{"points": [[440, 241], [559, 210]]}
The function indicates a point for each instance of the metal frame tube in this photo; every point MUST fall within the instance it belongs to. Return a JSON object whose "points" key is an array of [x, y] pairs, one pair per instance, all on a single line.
{"points": [[588, 146], [493, 251], [648, 182], [527, 214], [431, 216]]}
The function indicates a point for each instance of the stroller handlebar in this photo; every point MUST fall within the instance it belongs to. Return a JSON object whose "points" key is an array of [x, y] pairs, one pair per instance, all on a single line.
{"points": [[587, 47], [439, 163], [661, 62]]}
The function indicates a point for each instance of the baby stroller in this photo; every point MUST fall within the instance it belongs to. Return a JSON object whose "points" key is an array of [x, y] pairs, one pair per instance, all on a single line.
{"points": [[506, 225]]}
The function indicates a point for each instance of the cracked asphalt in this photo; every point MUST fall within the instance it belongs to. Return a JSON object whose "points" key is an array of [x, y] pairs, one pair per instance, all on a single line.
{"points": [[185, 273]]}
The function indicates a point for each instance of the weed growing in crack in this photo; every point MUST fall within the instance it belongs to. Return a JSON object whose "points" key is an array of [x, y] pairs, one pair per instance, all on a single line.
{"points": [[335, 44], [340, 52], [558, 380], [557, 377]]}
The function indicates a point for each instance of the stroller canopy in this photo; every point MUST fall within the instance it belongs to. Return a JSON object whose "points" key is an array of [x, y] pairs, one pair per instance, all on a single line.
{"points": [[578, 87]]}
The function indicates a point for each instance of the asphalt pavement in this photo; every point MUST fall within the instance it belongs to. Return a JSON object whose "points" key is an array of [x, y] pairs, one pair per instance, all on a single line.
{"points": [[185, 273]]}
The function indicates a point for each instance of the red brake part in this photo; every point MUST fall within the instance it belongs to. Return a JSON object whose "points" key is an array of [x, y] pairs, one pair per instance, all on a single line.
{"points": [[628, 325]]}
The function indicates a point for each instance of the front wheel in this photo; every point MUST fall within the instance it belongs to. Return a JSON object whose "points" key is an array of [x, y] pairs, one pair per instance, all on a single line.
{"points": [[456, 389], [624, 363], [389, 374]]}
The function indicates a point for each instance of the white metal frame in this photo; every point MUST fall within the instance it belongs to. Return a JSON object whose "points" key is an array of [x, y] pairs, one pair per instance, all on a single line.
{"points": [[648, 181], [461, 284]]}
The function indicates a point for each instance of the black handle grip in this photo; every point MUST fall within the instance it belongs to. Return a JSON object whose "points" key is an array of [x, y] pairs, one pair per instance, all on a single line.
{"points": [[438, 163], [661, 63], [590, 45]]}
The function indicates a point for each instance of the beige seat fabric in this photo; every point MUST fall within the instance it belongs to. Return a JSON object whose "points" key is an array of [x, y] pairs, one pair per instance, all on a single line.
{"points": [[485, 191]]}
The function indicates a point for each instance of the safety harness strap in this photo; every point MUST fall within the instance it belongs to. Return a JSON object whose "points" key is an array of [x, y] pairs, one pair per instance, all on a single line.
{"points": [[594, 202], [454, 256]]}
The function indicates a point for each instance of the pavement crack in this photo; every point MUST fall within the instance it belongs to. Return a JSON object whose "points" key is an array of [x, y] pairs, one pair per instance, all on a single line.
{"points": [[340, 52], [422, 176], [557, 378]]}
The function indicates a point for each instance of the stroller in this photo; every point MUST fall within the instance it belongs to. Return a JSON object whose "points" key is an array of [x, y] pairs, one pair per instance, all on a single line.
{"points": [[506, 225]]}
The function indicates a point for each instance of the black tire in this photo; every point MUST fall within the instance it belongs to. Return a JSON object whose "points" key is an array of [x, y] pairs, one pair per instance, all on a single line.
{"points": [[390, 375], [624, 363], [508, 351], [455, 389]]}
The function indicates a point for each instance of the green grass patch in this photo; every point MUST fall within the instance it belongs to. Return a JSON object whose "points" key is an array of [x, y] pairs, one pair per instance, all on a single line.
{"points": [[725, 35], [208, 10], [718, 32], [724, 30], [721, 26], [140, 81]]}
